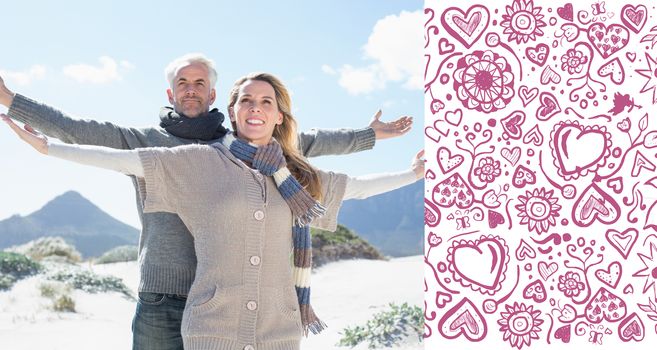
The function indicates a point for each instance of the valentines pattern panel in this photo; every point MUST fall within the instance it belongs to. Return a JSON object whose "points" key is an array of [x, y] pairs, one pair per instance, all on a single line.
{"points": [[541, 180]]}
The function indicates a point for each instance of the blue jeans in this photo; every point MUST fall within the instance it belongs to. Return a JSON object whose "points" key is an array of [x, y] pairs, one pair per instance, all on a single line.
{"points": [[156, 325]]}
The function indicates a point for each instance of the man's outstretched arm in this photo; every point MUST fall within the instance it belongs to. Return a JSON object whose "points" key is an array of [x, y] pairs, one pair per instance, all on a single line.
{"points": [[322, 142]]}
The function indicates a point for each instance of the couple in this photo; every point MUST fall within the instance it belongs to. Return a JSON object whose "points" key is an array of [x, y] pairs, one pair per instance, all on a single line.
{"points": [[243, 199]]}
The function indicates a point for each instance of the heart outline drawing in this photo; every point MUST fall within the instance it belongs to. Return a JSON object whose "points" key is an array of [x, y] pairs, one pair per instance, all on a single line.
{"points": [[605, 306], [453, 190], [535, 291], [466, 27], [448, 162], [631, 328], [466, 258], [538, 55], [527, 95], [569, 135], [634, 17], [595, 204], [622, 241], [463, 319], [611, 276], [549, 107], [608, 40]]}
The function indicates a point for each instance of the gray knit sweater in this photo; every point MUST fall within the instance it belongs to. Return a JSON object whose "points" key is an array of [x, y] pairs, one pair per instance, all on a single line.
{"points": [[244, 292], [167, 261]]}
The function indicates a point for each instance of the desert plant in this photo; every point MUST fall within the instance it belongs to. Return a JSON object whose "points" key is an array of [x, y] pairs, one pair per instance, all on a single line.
{"points": [[386, 328], [90, 282], [64, 303], [49, 247], [119, 254], [14, 266]]}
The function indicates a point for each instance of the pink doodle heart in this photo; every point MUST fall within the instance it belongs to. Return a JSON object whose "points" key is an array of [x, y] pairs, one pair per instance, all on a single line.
{"points": [[538, 55], [533, 136], [512, 124], [616, 184], [431, 214], [446, 161], [622, 241], [494, 219], [566, 12], [611, 276], [598, 308], [631, 56], [437, 131], [628, 289], [442, 299], [522, 176], [525, 251], [549, 107], [550, 76], [430, 175], [568, 314], [511, 156], [563, 333], [467, 27], [480, 265], [527, 95], [454, 117], [595, 204], [634, 17], [613, 69], [568, 138], [445, 47], [535, 291], [608, 40], [547, 270], [631, 328], [436, 106], [453, 190], [464, 319]]}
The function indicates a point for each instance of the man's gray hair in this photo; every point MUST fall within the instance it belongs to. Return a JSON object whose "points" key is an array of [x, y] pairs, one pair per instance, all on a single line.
{"points": [[181, 62]]}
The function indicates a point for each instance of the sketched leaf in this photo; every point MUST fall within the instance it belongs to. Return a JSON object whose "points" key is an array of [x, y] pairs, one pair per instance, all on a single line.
{"points": [[643, 124], [653, 29], [648, 37], [652, 305], [652, 317], [645, 308], [650, 140]]}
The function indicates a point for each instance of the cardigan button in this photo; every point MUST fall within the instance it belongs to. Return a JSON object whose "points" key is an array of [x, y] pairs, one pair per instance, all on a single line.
{"points": [[252, 305], [259, 215], [255, 260], [249, 347]]}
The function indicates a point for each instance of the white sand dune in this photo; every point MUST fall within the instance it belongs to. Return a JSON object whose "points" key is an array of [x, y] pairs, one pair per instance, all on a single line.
{"points": [[345, 293]]}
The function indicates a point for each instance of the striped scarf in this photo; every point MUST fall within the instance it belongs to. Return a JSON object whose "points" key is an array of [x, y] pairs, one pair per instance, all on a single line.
{"points": [[270, 161]]}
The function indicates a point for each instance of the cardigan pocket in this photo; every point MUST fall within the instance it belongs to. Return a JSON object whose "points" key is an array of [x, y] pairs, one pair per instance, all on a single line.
{"points": [[217, 316], [279, 319]]}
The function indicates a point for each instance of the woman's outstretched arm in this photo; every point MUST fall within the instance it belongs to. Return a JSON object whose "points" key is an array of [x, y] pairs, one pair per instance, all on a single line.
{"points": [[124, 161], [360, 187]]}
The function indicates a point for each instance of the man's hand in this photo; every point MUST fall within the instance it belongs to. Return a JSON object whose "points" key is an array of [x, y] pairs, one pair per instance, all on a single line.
{"points": [[418, 164], [6, 95], [34, 138], [383, 130]]}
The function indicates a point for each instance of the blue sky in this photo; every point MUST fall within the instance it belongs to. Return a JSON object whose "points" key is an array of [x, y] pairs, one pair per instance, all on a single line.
{"points": [[104, 60]]}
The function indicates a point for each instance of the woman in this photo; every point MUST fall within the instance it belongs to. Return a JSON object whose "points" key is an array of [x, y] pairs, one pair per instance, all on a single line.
{"points": [[243, 296]]}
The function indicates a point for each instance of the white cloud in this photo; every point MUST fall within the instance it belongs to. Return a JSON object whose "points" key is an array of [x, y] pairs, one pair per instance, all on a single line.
{"points": [[24, 78], [328, 69], [108, 71], [395, 47]]}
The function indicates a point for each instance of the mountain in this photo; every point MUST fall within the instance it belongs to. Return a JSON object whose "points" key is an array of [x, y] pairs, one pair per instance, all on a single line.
{"points": [[393, 222], [74, 218]]}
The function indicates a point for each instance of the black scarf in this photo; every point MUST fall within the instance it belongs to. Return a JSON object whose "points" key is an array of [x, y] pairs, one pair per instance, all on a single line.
{"points": [[205, 127]]}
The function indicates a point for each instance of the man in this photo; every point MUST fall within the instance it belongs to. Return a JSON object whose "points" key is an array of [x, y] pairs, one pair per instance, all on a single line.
{"points": [[167, 261]]}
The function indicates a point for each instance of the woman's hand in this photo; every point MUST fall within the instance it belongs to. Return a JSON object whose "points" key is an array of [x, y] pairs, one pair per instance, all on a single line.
{"points": [[418, 164], [29, 135]]}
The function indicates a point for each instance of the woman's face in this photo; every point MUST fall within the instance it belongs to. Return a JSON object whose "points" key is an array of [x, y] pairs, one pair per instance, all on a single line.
{"points": [[256, 112]]}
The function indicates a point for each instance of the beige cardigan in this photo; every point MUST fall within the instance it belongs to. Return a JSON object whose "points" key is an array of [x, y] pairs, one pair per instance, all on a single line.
{"points": [[243, 296]]}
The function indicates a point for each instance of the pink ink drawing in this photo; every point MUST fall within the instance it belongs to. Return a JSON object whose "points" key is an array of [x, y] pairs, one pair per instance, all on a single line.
{"points": [[483, 81], [466, 27]]}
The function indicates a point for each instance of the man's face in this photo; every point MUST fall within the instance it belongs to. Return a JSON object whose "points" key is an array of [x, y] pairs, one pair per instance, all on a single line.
{"points": [[192, 94]]}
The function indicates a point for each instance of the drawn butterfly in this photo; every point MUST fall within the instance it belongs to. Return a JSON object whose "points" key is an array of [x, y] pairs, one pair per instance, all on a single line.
{"points": [[596, 337], [598, 8], [462, 222]]}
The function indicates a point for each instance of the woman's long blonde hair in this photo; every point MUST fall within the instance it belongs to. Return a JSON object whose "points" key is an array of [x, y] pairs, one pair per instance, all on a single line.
{"points": [[285, 133]]}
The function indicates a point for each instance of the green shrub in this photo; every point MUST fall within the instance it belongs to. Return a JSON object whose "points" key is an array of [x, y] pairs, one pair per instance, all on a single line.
{"points": [[52, 289], [90, 282], [119, 254], [49, 247], [6, 281], [14, 266], [386, 328], [343, 244], [64, 303]]}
